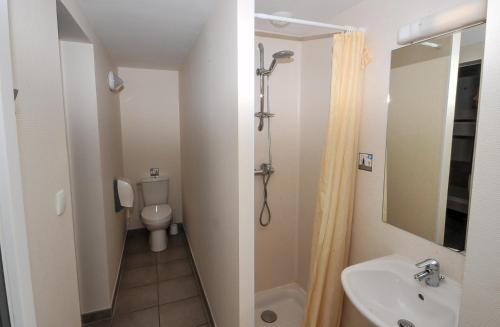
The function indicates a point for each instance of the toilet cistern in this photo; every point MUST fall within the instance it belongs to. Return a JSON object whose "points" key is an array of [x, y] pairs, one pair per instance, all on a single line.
{"points": [[156, 214]]}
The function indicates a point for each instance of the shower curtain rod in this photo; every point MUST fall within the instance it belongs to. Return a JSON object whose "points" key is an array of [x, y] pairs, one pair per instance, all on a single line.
{"points": [[344, 28]]}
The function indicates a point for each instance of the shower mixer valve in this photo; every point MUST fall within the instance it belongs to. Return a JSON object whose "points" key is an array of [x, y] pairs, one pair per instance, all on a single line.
{"points": [[263, 115], [265, 169]]}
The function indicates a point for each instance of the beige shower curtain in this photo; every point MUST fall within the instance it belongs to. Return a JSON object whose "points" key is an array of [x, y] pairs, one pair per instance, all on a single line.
{"points": [[334, 207]]}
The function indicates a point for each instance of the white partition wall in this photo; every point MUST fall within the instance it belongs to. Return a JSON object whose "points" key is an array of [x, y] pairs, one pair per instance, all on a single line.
{"points": [[44, 160], [80, 102], [216, 119], [45, 164], [106, 227], [13, 236]]}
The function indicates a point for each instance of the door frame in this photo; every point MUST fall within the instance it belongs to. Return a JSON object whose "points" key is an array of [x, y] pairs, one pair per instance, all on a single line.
{"points": [[13, 233]]}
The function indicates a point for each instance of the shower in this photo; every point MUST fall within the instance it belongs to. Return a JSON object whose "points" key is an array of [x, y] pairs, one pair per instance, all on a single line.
{"points": [[266, 169], [265, 73]]}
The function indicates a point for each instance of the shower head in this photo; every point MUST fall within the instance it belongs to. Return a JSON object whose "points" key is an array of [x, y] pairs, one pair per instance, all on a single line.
{"points": [[283, 54]]}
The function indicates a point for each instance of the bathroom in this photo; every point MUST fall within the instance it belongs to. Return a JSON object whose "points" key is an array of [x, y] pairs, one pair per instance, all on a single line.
{"points": [[141, 190]]}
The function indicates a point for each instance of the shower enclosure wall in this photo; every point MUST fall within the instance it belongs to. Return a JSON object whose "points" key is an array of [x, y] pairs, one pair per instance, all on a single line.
{"points": [[299, 99]]}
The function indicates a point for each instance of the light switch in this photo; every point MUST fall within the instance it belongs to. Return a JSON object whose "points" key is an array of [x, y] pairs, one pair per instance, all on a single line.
{"points": [[60, 202]]}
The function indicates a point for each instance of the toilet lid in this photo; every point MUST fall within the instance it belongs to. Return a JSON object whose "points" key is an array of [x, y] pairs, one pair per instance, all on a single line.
{"points": [[156, 212]]}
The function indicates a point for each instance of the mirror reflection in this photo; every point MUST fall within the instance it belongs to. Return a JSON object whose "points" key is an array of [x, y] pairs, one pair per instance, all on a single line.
{"points": [[431, 128]]}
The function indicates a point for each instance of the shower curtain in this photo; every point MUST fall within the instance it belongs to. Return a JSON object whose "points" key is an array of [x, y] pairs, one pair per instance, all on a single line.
{"points": [[334, 206]]}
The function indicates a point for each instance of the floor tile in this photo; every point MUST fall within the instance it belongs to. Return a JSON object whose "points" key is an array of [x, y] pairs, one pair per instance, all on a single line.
{"points": [[176, 241], [174, 269], [142, 318], [177, 289], [139, 277], [137, 298], [137, 245], [172, 254], [140, 260], [101, 323], [186, 313], [151, 278]]}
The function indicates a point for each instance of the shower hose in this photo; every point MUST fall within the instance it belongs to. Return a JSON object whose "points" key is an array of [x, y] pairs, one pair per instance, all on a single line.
{"points": [[266, 176], [265, 205]]}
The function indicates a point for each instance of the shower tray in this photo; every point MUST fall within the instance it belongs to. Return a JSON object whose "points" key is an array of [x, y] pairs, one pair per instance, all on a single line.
{"points": [[286, 301]]}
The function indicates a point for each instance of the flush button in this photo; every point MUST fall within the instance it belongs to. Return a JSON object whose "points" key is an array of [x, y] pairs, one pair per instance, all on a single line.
{"points": [[60, 202]]}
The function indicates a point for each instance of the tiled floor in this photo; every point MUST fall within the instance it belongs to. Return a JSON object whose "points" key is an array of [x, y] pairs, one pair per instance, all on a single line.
{"points": [[157, 289]]}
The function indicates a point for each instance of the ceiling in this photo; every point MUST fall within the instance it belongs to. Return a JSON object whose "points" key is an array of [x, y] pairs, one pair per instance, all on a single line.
{"points": [[159, 33], [147, 33], [67, 28]]}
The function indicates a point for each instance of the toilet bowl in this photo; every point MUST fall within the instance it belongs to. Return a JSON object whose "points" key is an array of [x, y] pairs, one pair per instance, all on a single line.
{"points": [[156, 214], [157, 218]]}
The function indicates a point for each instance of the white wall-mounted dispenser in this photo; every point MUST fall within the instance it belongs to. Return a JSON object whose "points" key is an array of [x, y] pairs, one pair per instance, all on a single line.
{"points": [[125, 192]]}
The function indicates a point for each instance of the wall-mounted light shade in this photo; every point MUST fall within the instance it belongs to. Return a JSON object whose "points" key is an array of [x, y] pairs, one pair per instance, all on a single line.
{"points": [[463, 15], [115, 83]]}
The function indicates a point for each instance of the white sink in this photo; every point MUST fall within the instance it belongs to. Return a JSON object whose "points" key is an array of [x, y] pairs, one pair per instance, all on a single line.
{"points": [[384, 291]]}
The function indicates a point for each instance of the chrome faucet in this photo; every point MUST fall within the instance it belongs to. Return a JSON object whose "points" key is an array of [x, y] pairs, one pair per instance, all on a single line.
{"points": [[430, 274]]}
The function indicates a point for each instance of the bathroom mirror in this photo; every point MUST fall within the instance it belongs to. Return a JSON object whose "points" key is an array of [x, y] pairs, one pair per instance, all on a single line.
{"points": [[431, 128]]}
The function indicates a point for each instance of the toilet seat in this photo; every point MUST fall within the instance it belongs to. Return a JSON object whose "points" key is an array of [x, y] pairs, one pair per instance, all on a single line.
{"points": [[156, 213]]}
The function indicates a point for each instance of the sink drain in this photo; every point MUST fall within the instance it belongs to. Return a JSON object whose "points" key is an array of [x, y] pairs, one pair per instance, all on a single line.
{"points": [[405, 323], [269, 316]]}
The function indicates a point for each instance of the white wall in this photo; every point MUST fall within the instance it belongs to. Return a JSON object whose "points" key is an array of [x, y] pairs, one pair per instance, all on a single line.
{"points": [[276, 244], [216, 94], [300, 98], [481, 289], [44, 160], [314, 111], [149, 106], [111, 164], [110, 145], [80, 101], [371, 237], [13, 232]]}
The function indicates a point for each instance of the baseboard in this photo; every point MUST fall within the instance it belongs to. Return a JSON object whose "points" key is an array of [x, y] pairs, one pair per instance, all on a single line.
{"points": [[197, 275], [94, 316]]}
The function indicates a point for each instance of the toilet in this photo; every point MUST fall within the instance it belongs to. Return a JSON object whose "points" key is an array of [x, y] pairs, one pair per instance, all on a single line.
{"points": [[156, 214]]}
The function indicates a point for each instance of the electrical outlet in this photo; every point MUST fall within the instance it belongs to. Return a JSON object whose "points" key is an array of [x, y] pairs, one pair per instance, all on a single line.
{"points": [[154, 172]]}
